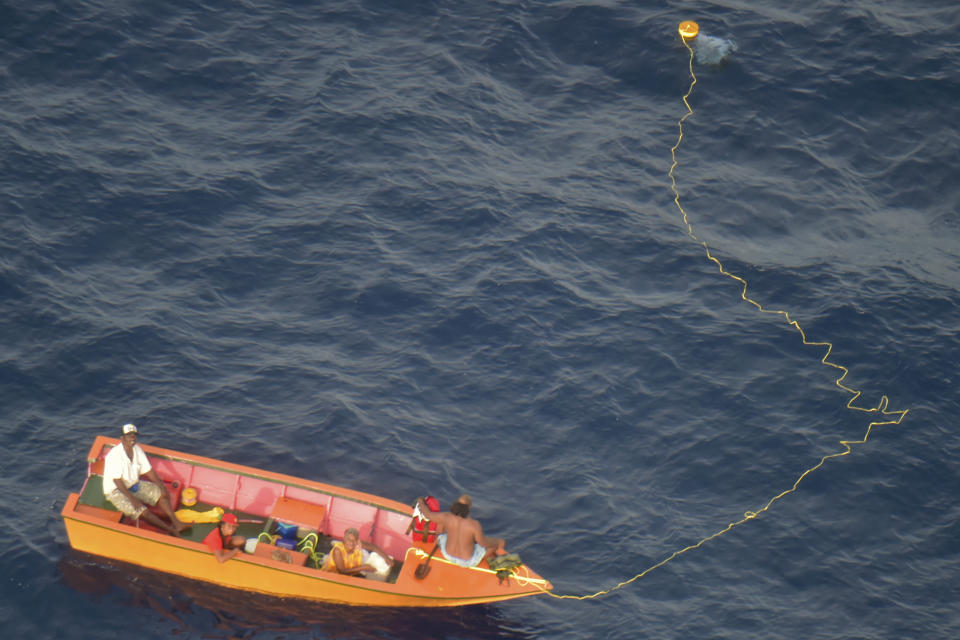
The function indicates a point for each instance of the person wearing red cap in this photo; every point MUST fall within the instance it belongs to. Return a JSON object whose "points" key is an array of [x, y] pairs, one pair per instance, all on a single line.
{"points": [[221, 540]]}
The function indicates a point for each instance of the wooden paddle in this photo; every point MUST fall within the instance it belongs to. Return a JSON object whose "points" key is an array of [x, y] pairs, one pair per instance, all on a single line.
{"points": [[424, 569]]}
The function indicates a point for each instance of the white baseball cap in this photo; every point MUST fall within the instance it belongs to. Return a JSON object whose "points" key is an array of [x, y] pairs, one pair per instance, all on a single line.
{"points": [[129, 428]]}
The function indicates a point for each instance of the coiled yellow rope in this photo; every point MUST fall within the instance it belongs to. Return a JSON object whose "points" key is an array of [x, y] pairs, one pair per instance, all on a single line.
{"points": [[890, 417], [525, 578]]}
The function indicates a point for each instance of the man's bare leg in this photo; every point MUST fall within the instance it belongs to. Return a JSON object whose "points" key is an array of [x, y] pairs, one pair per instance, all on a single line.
{"points": [[155, 520], [168, 509]]}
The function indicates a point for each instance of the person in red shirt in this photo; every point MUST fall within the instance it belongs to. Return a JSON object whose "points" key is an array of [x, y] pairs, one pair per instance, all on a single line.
{"points": [[221, 540]]}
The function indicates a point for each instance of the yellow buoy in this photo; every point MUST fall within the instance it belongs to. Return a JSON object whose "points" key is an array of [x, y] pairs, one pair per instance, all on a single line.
{"points": [[189, 497], [688, 29]]}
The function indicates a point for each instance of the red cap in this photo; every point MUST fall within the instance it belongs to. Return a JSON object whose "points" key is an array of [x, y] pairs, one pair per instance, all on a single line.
{"points": [[229, 517], [432, 503]]}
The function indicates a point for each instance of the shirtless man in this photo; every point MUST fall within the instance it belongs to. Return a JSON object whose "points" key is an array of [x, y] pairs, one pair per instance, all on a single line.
{"points": [[461, 537]]}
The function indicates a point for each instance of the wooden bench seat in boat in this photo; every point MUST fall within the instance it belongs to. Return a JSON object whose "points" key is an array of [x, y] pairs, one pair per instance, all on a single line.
{"points": [[300, 513], [266, 550]]}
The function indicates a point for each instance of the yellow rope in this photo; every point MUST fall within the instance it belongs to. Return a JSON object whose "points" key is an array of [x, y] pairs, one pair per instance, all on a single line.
{"points": [[522, 579], [894, 417]]}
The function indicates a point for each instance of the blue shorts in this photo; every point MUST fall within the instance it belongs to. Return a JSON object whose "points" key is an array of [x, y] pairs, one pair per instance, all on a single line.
{"points": [[478, 553]]}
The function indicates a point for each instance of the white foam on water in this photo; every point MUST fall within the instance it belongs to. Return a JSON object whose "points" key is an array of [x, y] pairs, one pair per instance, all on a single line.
{"points": [[712, 50]]}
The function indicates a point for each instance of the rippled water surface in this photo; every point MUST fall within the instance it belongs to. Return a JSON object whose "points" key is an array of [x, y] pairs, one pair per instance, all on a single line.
{"points": [[432, 247]]}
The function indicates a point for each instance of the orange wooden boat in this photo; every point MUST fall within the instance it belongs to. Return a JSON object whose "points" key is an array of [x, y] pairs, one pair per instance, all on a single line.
{"points": [[267, 498]]}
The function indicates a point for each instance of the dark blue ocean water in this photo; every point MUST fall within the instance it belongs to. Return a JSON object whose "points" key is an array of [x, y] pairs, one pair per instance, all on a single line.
{"points": [[431, 247]]}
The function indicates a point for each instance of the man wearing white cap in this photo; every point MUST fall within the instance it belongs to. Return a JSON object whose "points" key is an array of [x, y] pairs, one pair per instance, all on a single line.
{"points": [[122, 485]]}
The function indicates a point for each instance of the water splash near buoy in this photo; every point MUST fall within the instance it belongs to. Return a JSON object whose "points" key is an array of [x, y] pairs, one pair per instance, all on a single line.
{"points": [[708, 49]]}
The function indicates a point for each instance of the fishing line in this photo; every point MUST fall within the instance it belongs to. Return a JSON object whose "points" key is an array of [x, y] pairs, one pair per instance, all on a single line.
{"points": [[689, 32]]}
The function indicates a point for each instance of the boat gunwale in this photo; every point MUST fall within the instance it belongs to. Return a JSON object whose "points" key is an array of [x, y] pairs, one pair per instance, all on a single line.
{"points": [[259, 474], [352, 582]]}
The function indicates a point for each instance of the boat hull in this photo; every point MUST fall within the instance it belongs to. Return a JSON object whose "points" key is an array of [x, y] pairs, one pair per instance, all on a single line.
{"points": [[99, 532]]}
